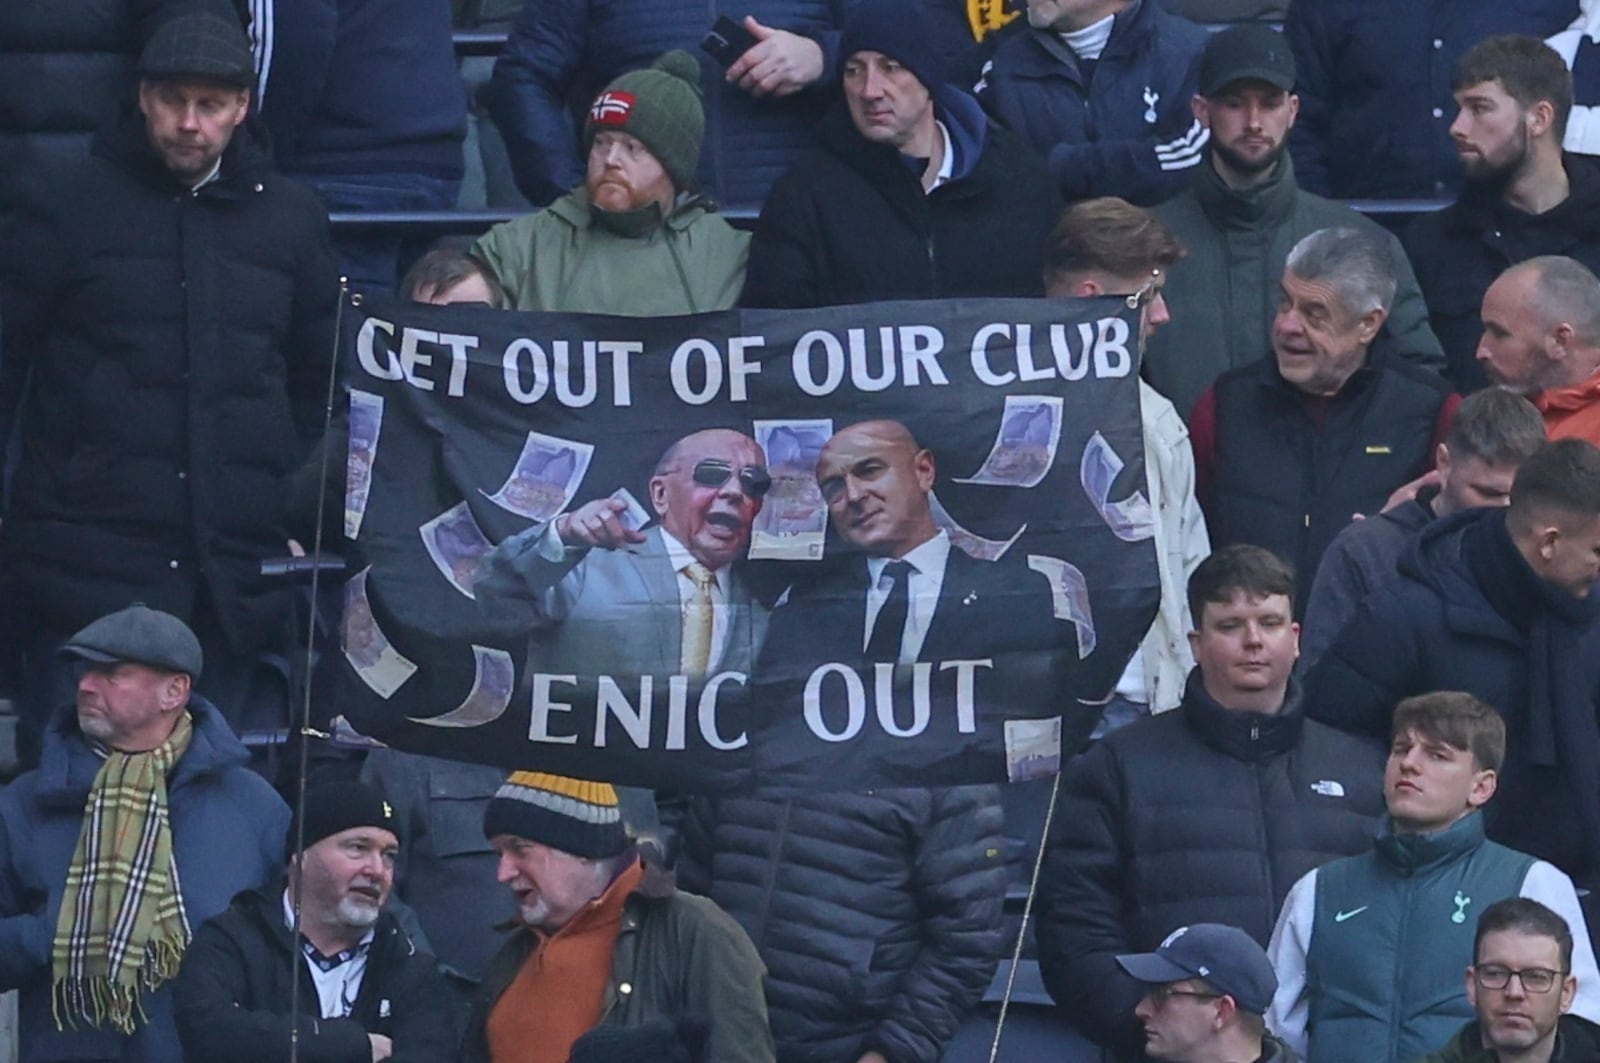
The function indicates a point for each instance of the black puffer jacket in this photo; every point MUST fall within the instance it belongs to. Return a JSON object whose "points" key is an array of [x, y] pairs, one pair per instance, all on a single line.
{"points": [[1202, 814], [851, 223], [877, 915], [233, 993], [168, 355]]}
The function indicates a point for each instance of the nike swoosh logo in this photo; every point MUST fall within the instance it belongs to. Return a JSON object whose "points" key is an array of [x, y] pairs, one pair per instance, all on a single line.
{"points": [[1340, 917]]}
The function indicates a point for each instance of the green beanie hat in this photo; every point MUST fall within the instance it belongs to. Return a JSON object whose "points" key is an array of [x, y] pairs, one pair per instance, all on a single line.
{"points": [[661, 106]]}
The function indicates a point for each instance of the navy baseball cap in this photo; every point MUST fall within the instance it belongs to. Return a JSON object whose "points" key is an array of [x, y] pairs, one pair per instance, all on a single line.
{"points": [[1225, 956]]}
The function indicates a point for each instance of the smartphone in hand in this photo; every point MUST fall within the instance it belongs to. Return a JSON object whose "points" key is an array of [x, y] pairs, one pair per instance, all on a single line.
{"points": [[727, 41]]}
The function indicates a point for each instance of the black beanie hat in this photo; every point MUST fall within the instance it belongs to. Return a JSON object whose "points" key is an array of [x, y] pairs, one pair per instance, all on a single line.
{"points": [[331, 807], [899, 31]]}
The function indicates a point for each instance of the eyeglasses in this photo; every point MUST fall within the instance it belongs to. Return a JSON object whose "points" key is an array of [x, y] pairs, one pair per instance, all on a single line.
{"points": [[1533, 979], [754, 480], [1160, 994]]}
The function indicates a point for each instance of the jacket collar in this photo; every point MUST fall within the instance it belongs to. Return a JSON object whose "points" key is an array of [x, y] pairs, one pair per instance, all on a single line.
{"points": [[1572, 397], [1051, 56], [1263, 206], [1479, 207], [1248, 736], [68, 765], [573, 208], [885, 169], [124, 142], [1411, 854]]}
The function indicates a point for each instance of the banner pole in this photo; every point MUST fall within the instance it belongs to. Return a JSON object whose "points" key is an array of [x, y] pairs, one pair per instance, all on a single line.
{"points": [[1027, 911], [311, 641]]}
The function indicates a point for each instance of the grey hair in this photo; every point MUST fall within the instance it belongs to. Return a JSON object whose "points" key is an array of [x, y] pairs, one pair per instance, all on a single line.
{"points": [[1354, 263], [1565, 292]]}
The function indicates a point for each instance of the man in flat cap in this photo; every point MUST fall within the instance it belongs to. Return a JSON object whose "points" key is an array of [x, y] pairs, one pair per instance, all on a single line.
{"points": [[141, 821], [1206, 989], [169, 306], [377, 997], [604, 942]]}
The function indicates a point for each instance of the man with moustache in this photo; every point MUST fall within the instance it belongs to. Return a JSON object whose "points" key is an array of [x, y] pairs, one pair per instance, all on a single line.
{"points": [[1287, 449], [1369, 949], [1523, 196], [1522, 987], [636, 238], [1541, 338], [1241, 213], [366, 992], [139, 757]]}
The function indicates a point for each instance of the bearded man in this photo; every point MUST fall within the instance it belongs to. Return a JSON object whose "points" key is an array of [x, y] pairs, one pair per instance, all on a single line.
{"points": [[635, 238], [1523, 197]]}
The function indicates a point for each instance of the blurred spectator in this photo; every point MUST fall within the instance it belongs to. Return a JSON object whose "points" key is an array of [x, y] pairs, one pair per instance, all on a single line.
{"points": [[1223, 973], [1541, 338], [1522, 198], [65, 69], [446, 276], [364, 104], [912, 194], [1521, 988], [487, 182], [967, 32], [1492, 434], [1579, 47], [1238, 219], [1228, 10], [763, 108], [169, 326], [1369, 949], [142, 821], [1206, 814], [899, 892], [1102, 91], [1375, 87], [603, 938], [375, 995], [1108, 247], [1497, 602], [1287, 449], [445, 868], [633, 238]]}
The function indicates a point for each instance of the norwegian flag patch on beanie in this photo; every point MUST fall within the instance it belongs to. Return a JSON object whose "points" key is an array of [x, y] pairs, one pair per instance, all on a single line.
{"points": [[612, 108]]}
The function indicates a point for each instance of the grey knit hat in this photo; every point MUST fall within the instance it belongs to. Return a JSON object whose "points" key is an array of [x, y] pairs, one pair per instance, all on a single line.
{"points": [[661, 105]]}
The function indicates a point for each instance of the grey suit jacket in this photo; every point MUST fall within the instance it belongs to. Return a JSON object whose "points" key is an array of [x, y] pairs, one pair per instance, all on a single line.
{"points": [[608, 612]]}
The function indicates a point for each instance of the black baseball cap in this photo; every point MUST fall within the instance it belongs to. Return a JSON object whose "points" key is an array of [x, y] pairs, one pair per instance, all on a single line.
{"points": [[1225, 956], [1251, 51]]}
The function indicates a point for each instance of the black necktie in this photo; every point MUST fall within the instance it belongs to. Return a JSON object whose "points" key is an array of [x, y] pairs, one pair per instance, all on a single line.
{"points": [[889, 629]]}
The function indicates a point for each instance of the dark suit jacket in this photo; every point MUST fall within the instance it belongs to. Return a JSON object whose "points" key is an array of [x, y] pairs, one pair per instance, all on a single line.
{"points": [[985, 609]]}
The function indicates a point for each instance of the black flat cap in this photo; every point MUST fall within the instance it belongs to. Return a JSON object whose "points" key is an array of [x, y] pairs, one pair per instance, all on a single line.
{"points": [[199, 44]]}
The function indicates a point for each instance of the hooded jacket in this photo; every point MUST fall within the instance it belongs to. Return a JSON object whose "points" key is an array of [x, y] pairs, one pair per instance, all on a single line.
{"points": [[1577, 1041], [850, 223], [227, 835], [1441, 626], [1202, 814], [1459, 251]]}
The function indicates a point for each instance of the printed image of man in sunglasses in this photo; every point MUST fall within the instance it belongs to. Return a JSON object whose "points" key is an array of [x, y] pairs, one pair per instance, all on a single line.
{"points": [[605, 595]]}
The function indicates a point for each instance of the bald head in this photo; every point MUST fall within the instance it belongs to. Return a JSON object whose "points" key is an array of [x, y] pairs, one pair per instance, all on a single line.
{"points": [[1541, 325], [876, 480]]}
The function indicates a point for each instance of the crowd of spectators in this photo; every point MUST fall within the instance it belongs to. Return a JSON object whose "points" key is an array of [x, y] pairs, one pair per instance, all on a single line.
{"points": [[1369, 839]]}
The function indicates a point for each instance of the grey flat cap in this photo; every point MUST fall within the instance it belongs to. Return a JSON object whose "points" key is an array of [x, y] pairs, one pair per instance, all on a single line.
{"points": [[141, 635]]}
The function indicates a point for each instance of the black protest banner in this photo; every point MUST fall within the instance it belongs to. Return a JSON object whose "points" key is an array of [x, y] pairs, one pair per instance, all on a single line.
{"points": [[898, 544]]}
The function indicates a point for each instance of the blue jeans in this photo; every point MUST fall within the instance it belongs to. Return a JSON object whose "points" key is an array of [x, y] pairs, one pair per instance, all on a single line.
{"points": [[373, 258]]}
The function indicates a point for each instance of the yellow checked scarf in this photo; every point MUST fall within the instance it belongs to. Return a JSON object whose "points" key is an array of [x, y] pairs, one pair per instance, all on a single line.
{"points": [[122, 926]]}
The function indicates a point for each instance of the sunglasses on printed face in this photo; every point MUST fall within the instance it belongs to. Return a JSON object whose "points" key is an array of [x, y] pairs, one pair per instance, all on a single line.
{"points": [[754, 480]]}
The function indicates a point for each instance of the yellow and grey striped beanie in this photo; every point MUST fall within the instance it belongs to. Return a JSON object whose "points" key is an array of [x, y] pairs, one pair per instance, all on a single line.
{"points": [[573, 815]]}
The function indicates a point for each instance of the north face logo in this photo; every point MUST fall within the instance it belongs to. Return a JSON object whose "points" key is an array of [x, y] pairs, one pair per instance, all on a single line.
{"points": [[611, 108]]}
